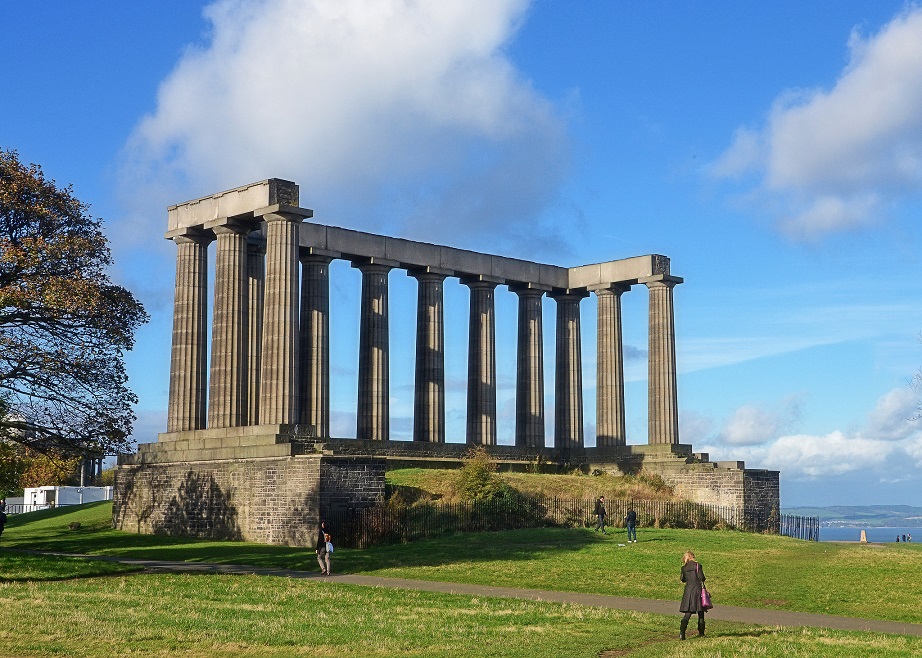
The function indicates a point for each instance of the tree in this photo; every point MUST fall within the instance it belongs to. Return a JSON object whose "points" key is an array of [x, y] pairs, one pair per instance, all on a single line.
{"points": [[64, 326]]}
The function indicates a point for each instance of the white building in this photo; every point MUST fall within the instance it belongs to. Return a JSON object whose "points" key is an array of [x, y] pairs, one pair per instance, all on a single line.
{"points": [[57, 496]]}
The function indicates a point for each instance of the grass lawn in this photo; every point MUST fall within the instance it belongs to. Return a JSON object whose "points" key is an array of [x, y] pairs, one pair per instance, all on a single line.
{"points": [[68, 607], [743, 569]]}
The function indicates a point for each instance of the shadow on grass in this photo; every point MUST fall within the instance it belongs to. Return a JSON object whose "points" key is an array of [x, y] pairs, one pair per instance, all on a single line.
{"points": [[48, 530], [511, 545]]}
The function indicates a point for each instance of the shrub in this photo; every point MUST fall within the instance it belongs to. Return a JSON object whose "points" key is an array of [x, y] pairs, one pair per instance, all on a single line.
{"points": [[477, 479]]}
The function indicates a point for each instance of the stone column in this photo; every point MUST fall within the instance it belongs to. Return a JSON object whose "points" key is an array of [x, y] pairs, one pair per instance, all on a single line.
{"points": [[429, 396], [609, 414], [279, 374], [315, 342], [529, 376], [568, 379], [256, 284], [227, 402], [481, 365], [373, 413], [663, 413], [186, 409]]}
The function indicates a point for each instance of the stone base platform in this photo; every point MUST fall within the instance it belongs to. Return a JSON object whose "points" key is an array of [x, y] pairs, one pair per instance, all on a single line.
{"points": [[272, 483]]}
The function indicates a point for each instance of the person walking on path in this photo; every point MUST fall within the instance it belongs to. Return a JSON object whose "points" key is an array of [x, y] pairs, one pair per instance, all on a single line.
{"points": [[693, 577], [631, 522], [321, 549], [600, 514]]}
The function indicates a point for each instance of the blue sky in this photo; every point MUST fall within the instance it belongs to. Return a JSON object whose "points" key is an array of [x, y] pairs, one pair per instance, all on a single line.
{"points": [[772, 150]]}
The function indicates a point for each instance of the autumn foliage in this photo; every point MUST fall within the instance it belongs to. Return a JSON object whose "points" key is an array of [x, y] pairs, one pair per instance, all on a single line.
{"points": [[64, 326]]}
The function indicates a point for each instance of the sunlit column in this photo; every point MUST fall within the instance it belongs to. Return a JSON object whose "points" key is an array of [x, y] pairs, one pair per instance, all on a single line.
{"points": [[186, 407], [568, 378], [315, 342], [662, 399], [610, 417], [481, 364], [256, 284], [529, 380], [279, 373], [373, 413], [227, 401], [429, 384]]}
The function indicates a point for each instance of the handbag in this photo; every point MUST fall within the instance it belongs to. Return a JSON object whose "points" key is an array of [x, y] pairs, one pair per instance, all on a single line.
{"points": [[705, 595]]}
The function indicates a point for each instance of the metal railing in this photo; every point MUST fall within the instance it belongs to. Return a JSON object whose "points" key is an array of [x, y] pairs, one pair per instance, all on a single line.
{"points": [[21, 508]]}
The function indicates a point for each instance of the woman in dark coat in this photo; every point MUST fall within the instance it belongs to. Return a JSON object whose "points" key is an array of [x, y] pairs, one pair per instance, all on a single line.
{"points": [[693, 577]]}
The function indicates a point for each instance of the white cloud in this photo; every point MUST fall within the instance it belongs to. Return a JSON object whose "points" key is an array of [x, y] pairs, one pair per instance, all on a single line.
{"points": [[819, 456], [833, 159], [892, 418], [750, 425], [377, 110], [883, 449]]}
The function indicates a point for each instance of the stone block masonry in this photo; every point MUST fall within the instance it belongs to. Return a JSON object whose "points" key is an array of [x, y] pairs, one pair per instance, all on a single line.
{"points": [[275, 499], [270, 501]]}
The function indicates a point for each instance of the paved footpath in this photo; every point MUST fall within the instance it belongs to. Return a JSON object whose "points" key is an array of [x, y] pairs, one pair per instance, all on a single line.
{"points": [[656, 606]]}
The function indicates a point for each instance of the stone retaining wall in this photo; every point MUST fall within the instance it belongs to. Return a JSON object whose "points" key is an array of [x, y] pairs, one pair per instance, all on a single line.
{"points": [[273, 489]]}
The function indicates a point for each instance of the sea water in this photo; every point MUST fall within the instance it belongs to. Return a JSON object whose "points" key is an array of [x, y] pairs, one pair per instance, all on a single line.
{"points": [[876, 535]]}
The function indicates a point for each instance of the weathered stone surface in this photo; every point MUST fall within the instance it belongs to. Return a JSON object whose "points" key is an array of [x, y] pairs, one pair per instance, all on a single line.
{"points": [[239, 202], [267, 501]]}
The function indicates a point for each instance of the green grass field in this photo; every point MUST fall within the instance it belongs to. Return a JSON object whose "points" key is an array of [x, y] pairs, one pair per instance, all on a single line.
{"points": [[72, 607]]}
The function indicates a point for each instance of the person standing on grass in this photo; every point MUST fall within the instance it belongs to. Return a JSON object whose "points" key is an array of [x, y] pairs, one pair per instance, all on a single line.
{"points": [[693, 577], [2, 518], [321, 549], [600, 514], [631, 522], [329, 557]]}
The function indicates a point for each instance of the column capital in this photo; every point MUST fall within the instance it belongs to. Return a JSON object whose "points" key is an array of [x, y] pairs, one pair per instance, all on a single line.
{"points": [[187, 235], [569, 293], [481, 282], [256, 243], [281, 212], [314, 257], [615, 288], [529, 289], [313, 254], [230, 225], [429, 273], [374, 265], [658, 280]]}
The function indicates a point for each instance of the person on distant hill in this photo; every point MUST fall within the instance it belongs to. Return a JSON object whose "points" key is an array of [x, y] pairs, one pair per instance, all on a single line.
{"points": [[321, 548], [693, 577], [2, 519], [600, 514], [630, 521]]}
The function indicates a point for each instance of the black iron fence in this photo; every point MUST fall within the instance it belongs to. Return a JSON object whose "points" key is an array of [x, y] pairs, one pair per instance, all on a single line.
{"points": [[800, 527], [387, 524]]}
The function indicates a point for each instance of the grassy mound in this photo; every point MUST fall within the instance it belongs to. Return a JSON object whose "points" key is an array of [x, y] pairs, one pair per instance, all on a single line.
{"points": [[424, 484]]}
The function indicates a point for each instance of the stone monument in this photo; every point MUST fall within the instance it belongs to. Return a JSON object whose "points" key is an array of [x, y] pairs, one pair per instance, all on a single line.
{"points": [[253, 457]]}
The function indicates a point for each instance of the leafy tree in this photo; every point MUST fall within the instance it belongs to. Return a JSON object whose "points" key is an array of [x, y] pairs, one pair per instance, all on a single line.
{"points": [[12, 466], [64, 326], [48, 470]]}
